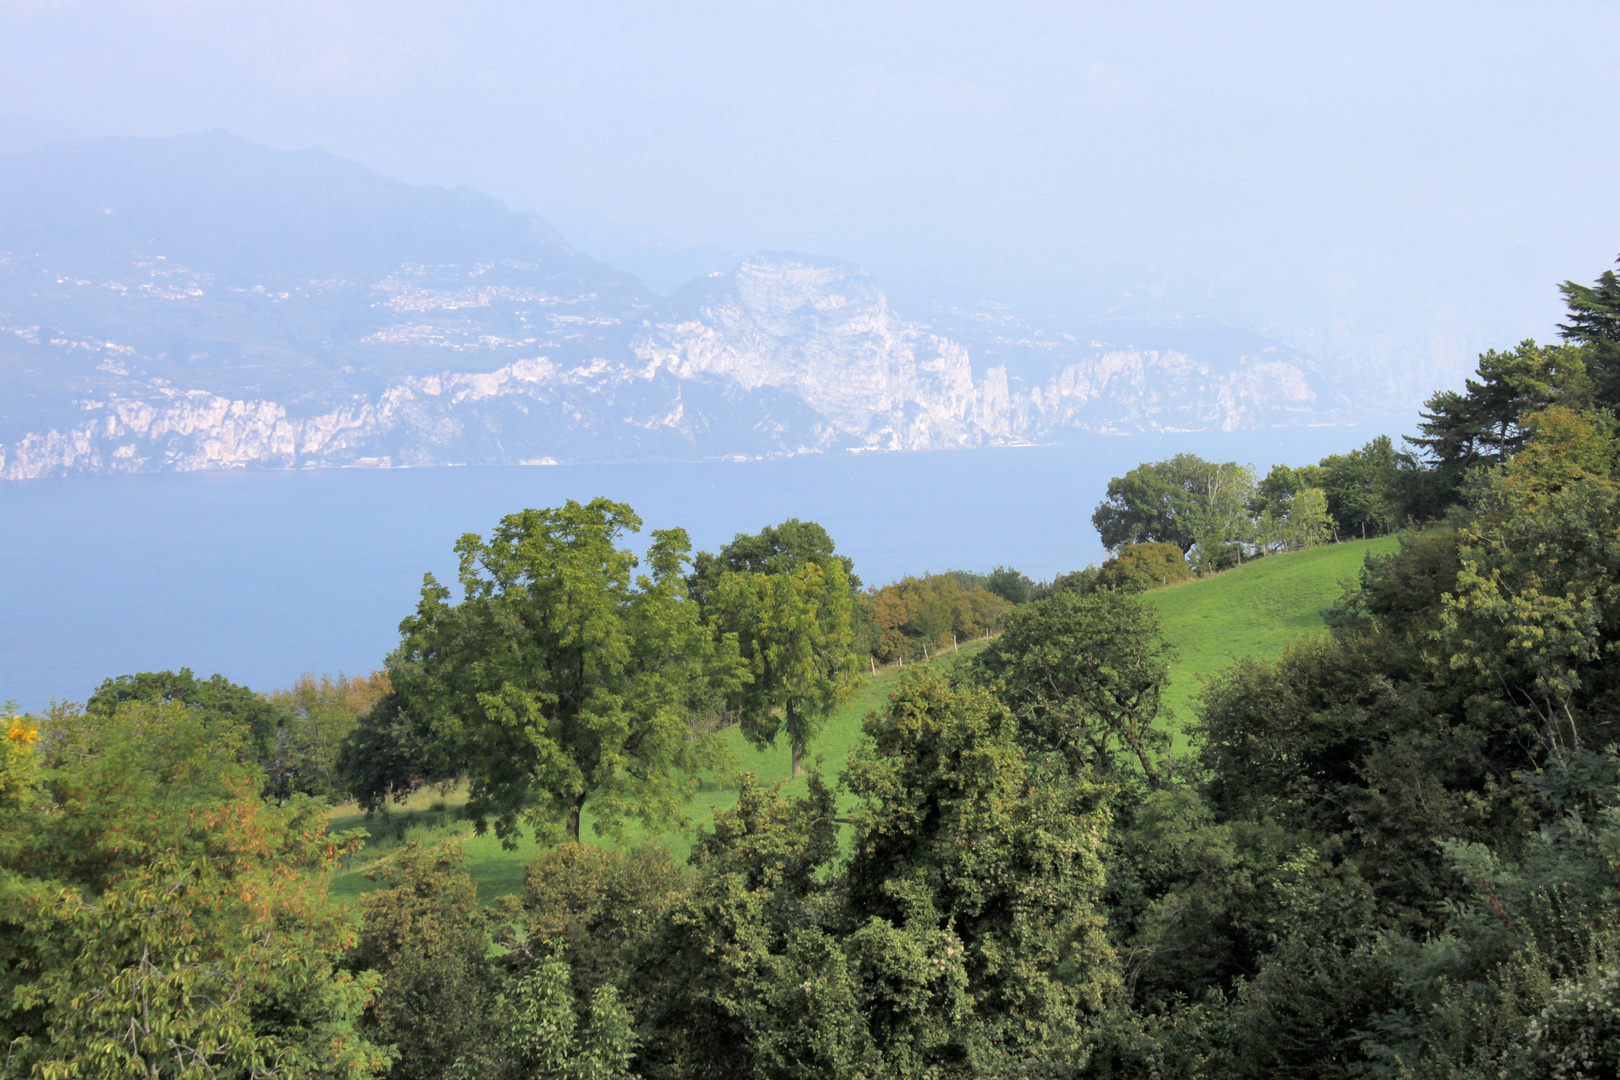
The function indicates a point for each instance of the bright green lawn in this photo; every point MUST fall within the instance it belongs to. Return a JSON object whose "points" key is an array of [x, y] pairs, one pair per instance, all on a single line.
{"points": [[1255, 610]]}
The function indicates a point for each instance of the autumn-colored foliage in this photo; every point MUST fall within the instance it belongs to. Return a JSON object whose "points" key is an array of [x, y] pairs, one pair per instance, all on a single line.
{"points": [[928, 611], [156, 909]]}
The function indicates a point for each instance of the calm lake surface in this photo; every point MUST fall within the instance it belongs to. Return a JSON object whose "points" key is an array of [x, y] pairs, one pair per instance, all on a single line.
{"points": [[264, 575]]}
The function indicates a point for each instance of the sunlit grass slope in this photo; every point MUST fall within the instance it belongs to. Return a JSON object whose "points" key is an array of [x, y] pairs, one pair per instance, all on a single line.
{"points": [[1255, 610], [498, 871]]}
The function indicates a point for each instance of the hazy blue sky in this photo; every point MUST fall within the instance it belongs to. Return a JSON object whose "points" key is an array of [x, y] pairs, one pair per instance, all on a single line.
{"points": [[1401, 180]]}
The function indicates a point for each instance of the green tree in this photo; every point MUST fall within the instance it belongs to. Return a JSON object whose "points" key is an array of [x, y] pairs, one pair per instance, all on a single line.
{"points": [[1085, 677], [1275, 492], [1192, 902], [1183, 500], [425, 935], [775, 549], [394, 750], [1310, 521], [562, 676], [159, 919], [794, 629], [1135, 567], [216, 699], [1009, 584], [1361, 489], [1536, 611], [602, 911], [752, 979], [1481, 424], [550, 1038], [973, 890], [320, 714], [1594, 324]]}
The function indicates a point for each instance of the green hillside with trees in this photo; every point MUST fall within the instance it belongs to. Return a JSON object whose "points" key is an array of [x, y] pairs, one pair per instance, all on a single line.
{"points": [[1252, 611], [1382, 839], [1255, 610]]}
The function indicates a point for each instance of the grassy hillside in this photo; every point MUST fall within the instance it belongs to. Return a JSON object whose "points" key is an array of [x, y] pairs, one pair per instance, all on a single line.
{"points": [[1252, 611], [498, 871], [1255, 610]]}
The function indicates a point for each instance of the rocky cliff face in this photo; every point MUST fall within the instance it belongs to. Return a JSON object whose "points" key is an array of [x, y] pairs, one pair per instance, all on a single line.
{"points": [[117, 356]]}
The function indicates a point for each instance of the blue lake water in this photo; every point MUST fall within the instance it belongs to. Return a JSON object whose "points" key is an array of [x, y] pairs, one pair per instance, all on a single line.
{"points": [[264, 575]]}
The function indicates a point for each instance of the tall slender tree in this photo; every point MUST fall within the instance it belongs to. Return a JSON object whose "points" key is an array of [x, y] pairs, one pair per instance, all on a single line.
{"points": [[1594, 322]]}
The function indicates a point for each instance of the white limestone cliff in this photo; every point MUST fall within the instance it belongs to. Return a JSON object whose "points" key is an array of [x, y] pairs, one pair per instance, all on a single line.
{"points": [[785, 356]]}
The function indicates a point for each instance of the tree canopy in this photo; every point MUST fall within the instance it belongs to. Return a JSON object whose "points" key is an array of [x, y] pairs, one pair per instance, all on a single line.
{"points": [[775, 549], [794, 631], [787, 597], [1085, 676], [1183, 500], [1594, 323], [215, 699], [562, 676], [158, 918]]}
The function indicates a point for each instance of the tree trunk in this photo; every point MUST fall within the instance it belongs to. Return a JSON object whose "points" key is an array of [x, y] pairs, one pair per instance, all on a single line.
{"points": [[793, 739], [573, 819], [1148, 770]]}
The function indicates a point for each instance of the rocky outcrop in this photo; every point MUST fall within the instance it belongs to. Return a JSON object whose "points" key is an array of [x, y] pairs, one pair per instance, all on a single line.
{"points": [[785, 356], [302, 311]]}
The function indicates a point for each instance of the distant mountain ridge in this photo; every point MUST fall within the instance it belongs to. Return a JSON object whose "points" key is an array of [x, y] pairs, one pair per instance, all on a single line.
{"points": [[204, 302]]}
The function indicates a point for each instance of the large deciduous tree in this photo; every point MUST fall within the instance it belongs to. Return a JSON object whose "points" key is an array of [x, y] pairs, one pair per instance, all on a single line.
{"points": [[564, 677], [1085, 676], [794, 629], [775, 549], [788, 598], [1183, 500], [215, 699], [973, 888], [158, 918]]}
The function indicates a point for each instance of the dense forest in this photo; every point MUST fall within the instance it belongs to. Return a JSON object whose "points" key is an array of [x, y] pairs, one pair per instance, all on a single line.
{"points": [[1392, 852]]}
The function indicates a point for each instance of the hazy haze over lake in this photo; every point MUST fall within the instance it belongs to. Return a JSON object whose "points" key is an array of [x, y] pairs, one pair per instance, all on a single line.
{"points": [[1373, 180], [1386, 187]]}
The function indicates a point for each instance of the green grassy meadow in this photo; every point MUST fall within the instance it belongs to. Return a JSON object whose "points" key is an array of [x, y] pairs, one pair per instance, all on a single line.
{"points": [[1255, 610], [498, 871]]}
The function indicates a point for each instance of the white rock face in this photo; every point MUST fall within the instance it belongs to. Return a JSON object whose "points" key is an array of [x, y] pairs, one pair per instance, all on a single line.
{"points": [[828, 335], [201, 302], [786, 356]]}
